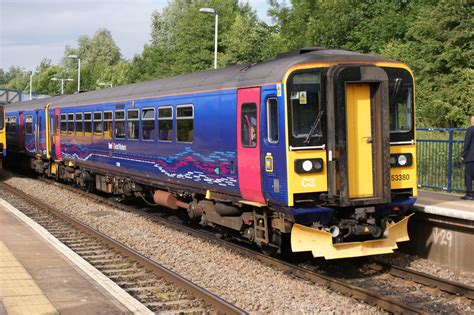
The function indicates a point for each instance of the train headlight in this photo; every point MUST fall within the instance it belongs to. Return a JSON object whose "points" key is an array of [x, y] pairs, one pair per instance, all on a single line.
{"points": [[309, 166], [401, 160]]}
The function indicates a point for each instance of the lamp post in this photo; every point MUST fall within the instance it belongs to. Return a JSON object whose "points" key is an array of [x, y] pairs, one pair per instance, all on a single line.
{"points": [[105, 84], [78, 71], [213, 11], [31, 73], [62, 83]]}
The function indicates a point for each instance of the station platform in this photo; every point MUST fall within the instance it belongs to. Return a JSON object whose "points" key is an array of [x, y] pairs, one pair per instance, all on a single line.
{"points": [[39, 276], [444, 204], [442, 229]]}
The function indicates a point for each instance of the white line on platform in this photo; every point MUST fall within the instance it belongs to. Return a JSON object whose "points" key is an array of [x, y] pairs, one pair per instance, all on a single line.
{"points": [[112, 288]]}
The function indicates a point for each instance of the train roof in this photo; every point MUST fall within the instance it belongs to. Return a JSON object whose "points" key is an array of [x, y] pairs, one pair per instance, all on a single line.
{"points": [[229, 77]]}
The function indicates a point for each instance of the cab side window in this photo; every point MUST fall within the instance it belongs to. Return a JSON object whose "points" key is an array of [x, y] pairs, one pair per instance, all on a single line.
{"points": [[272, 120]]}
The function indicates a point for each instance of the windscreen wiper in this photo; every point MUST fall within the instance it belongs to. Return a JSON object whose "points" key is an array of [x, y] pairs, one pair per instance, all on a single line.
{"points": [[396, 88], [313, 127]]}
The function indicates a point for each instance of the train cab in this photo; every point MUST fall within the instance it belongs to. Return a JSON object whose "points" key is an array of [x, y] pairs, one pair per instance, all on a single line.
{"points": [[3, 139]]}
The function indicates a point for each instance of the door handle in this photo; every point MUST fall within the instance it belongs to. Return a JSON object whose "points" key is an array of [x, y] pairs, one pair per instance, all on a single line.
{"points": [[368, 139]]}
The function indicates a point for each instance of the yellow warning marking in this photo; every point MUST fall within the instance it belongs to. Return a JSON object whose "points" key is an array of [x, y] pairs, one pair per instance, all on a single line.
{"points": [[18, 291]]}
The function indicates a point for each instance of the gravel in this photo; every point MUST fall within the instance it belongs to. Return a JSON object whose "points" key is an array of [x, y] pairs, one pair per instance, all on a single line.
{"points": [[242, 281]]}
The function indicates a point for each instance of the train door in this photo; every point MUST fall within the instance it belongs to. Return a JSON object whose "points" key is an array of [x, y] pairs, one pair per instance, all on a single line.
{"points": [[359, 141], [37, 131], [57, 135], [248, 144], [358, 135], [21, 132]]}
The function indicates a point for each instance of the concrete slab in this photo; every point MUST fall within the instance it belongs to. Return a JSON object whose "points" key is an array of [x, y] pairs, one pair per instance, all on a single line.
{"points": [[444, 204]]}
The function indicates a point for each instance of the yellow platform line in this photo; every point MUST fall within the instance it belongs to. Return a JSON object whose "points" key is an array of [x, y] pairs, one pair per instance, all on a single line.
{"points": [[19, 293]]}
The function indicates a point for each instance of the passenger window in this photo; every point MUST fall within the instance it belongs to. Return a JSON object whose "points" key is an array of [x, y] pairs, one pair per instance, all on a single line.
{"points": [[119, 124], [148, 124], [185, 123], [63, 122], [98, 123], [11, 124], [133, 124], [108, 125], [272, 120], [29, 125], [70, 123], [79, 117], [248, 123], [165, 123], [87, 123]]}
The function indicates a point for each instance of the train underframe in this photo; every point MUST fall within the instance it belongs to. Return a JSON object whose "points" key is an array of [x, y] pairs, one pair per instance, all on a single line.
{"points": [[350, 232]]}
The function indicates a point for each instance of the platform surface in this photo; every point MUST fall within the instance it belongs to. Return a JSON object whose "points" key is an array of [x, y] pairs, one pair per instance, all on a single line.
{"points": [[445, 204], [36, 279]]}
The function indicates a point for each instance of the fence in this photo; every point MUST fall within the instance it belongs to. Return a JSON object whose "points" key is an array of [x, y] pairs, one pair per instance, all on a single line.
{"points": [[438, 155]]}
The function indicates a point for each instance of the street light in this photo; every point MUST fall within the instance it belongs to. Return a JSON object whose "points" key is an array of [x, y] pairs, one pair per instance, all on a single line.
{"points": [[31, 73], [62, 83], [213, 11], [105, 84], [78, 71]]}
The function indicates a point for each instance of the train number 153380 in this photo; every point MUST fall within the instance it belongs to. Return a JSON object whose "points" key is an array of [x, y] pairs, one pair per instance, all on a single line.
{"points": [[399, 177]]}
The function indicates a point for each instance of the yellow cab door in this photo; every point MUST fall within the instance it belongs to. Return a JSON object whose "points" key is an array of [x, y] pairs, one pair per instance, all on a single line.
{"points": [[359, 141]]}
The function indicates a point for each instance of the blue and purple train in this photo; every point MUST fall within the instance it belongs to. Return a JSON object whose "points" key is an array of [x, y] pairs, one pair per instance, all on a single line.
{"points": [[315, 146]]}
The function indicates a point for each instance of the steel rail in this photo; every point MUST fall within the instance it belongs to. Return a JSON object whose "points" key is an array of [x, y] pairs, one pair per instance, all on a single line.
{"points": [[445, 285], [389, 304], [218, 303]]}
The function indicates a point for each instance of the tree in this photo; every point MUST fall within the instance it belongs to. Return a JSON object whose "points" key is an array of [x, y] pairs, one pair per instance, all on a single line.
{"points": [[439, 48]]}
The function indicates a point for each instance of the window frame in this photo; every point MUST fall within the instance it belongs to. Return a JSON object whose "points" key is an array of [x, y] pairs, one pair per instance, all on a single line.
{"points": [[184, 118], [73, 120], [133, 119], [166, 118], [26, 125], [104, 121], [88, 121], [95, 133], [271, 141], [9, 120], [251, 146], [148, 119], [120, 120], [81, 123], [63, 119]]}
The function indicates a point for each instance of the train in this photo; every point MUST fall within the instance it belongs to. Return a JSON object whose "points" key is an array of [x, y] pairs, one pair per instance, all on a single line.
{"points": [[3, 139], [312, 151]]}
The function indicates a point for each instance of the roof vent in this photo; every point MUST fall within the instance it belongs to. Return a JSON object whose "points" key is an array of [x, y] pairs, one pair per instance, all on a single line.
{"points": [[298, 52]]}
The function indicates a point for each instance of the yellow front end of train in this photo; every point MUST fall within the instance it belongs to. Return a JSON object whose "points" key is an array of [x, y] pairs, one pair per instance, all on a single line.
{"points": [[351, 156], [3, 137]]}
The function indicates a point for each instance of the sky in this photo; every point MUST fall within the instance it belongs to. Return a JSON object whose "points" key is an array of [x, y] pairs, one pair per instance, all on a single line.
{"points": [[31, 30]]}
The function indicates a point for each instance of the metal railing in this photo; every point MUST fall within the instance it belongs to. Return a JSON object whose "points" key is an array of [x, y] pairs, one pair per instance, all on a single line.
{"points": [[438, 158]]}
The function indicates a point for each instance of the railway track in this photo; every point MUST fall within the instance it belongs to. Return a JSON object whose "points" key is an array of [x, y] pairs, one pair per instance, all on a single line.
{"points": [[158, 288], [388, 303]]}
